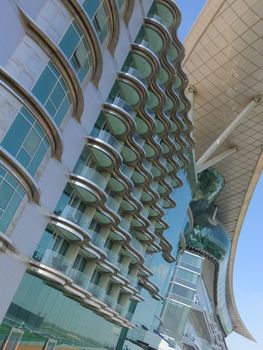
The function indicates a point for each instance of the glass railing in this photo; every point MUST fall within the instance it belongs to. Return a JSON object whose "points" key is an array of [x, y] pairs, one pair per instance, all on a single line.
{"points": [[107, 138], [55, 260], [91, 174], [113, 203], [145, 43], [96, 290], [76, 216], [121, 309], [147, 165], [123, 269], [137, 246], [97, 239], [157, 18], [145, 212], [127, 171], [110, 301], [111, 256], [139, 139], [79, 277], [125, 224], [136, 193], [119, 102], [133, 280], [132, 71]]}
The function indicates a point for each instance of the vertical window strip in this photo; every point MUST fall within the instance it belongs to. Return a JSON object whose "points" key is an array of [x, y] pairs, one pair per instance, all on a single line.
{"points": [[99, 18], [30, 148], [11, 195], [52, 91], [76, 49]]}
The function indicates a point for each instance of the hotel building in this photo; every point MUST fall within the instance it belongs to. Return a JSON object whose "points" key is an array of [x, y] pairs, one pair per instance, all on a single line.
{"points": [[112, 234]]}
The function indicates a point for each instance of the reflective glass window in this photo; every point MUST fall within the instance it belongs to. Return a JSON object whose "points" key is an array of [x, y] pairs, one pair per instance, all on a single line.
{"points": [[52, 91], [76, 49], [120, 3], [97, 12], [26, 141], [11, 195]]}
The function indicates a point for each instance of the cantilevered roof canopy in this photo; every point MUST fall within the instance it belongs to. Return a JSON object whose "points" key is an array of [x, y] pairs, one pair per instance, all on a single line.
{"points": [[224, 64]]}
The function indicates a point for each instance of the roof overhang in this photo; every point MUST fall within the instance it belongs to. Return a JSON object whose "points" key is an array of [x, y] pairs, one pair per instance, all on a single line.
{"points": [[223, 62]]}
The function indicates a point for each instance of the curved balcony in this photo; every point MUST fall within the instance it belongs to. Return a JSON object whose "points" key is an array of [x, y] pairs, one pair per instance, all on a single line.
{"points": [[91, 175], [156, 98], [133, 149], [133, 87], [72, 223], [90, 192], [156, 33], [144, 236], [54, 260], [120, 115], [130, 205], [163, 122], [145, 60], [145, 122], [119, 185], [105, 148], [126, 171], [169, 13]]}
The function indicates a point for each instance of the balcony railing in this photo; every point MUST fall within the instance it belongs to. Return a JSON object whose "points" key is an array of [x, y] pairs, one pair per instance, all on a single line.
{"points": [[91, 174], [113, 203], [107, 138], [119, 102], [53, 259], [127, 171], [137, 246], [111, 256]]}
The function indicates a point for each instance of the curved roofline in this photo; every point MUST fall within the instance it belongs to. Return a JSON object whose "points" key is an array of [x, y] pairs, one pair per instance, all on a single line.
{"points": [[238, 324], [207, 15]]}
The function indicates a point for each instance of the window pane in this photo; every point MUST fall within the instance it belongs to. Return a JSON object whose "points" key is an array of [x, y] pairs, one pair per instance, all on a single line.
{"points": [[32, 142], [57, 95], [44, 85], [6, 192], [91, 6], [16, 135], [69, 41]]}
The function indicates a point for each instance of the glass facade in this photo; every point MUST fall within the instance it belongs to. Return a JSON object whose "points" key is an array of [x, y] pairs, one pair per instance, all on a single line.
{"points": [[43, 312], [26, 141], [53, 93], [11, 195]]}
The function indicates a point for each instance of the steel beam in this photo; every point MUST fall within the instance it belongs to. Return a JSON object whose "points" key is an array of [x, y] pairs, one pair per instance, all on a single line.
{"points": [[215, 160], [228, 131]]}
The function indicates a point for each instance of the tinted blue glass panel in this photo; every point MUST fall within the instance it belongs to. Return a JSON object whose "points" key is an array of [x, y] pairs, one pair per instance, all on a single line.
{"points": [[91, 6], [26, 141], [44, 85], [69, 41], [16, 135], [11, 194]]}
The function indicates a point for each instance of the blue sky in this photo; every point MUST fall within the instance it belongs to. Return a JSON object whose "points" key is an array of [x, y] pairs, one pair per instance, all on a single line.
{"points": [[248, 275]]}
